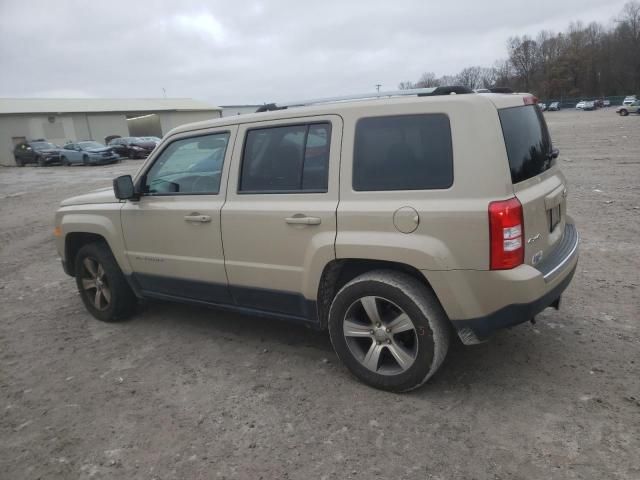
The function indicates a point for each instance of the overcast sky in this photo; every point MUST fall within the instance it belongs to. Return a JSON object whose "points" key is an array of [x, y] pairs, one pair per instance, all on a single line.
{"points": [[234, 52]]}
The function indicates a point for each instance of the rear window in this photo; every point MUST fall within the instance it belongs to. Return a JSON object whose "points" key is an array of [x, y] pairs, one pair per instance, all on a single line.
{"points": [[403, 152], [527, 140]]}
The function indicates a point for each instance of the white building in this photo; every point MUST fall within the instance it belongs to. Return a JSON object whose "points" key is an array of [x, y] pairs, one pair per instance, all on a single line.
{"points": [[61, 120]]}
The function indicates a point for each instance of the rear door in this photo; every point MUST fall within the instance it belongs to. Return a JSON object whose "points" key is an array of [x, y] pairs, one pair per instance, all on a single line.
{"points": [[537, 182], [279, 220]]}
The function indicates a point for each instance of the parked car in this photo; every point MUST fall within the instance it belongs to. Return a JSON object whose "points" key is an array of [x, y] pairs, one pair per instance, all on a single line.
{"points": [[606, 103], [155, 140], [40, 152], [543, 106], [332, 216], [589, 105], [87, 153], [554, 107], [628, 100], [580, 105], [625, 110], [132, 147]]}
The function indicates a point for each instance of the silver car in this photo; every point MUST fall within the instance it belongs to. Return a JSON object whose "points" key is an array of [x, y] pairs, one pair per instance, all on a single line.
{"points": [[87, 153]]}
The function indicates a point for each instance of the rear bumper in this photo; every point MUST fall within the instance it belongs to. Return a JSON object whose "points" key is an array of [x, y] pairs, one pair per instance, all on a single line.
{"points": [[480, 302]]}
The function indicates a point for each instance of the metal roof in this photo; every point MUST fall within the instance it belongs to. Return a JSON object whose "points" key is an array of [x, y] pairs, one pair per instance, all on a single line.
{"points": [[100, 105]]}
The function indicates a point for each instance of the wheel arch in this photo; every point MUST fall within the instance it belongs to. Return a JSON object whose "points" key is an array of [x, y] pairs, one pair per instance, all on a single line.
{"points": [[81, 229], [339, 272]]}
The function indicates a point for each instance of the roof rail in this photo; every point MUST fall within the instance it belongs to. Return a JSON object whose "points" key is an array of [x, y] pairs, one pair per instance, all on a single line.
{"points": [[420, 92]]}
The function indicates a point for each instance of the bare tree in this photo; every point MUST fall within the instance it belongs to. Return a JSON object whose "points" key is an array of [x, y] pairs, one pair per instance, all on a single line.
{"points": [[523, 54], [427, 80], [406, 85], [470, 77]]}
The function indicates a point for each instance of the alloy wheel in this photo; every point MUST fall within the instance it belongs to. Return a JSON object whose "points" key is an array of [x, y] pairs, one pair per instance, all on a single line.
{"points": [[380, 335], [94, 284]]}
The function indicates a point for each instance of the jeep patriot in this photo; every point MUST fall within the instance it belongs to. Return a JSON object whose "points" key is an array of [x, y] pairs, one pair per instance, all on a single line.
{"points": [[389, 221]]}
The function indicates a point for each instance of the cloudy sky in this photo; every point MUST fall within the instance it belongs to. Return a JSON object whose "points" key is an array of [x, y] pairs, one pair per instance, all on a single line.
{"points": [[234, 52]]}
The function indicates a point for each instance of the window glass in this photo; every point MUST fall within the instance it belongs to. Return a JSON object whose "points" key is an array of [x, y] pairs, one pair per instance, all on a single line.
{"points": [[404, 152], [286, 159], [192, 165], [527, 140]]}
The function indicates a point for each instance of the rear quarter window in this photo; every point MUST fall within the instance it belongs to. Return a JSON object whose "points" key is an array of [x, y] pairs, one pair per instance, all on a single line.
{"points": [[527, 141], [403, 152]]}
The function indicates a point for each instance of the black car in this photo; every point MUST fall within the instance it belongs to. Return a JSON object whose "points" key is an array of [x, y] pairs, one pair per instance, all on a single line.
{"points": [[41, 152], [132, 147]]}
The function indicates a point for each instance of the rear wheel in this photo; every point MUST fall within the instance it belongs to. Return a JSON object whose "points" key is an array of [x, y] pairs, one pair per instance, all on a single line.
{"points": [[389, 330], [41, 162], [102, 286], [65, 162], [85, 160], [624, 113]]}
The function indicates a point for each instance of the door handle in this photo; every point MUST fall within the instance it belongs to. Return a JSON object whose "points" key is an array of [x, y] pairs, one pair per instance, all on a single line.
{"points": [[302, 220], [195, 217]]}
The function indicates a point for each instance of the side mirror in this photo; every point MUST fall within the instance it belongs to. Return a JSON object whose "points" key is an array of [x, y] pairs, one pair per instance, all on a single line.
{"points": [[123, 187], [554, 153]]}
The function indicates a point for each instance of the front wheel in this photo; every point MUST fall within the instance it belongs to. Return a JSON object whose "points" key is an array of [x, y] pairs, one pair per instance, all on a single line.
{"points": [[65, 162], [624, 113], [19, 162], [85, 160], [389, 330], [41, 162], [102, 286]]}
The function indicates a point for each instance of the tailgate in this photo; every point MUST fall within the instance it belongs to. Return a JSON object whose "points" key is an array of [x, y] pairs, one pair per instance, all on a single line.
{"points": [[537, 183], [544, 209]]}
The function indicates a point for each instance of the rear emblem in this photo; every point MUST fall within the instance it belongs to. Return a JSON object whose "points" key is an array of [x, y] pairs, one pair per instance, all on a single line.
{"points": [[536, 258]]}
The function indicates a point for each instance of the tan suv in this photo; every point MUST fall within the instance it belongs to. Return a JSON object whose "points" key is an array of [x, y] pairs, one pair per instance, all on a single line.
{"points": [[388, 221]]}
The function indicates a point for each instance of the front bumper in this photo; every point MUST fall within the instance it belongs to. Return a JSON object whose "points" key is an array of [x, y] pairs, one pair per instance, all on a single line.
{"points": [[481, 302]]}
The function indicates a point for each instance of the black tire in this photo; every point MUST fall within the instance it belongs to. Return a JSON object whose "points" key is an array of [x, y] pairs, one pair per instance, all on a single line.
{"points": [[19, 162], [85, 160], [65, 162], [131, 154], [122, 301], [41, 162], [430, 338], [624, 113]]}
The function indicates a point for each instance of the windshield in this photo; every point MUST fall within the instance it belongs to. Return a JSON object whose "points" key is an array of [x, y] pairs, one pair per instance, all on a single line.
{"points": [[42, 145], [527, 140], [90, 145]]}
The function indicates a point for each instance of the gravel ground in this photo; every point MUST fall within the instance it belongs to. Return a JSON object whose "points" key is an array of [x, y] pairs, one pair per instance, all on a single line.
{"points": [[184, 392]]}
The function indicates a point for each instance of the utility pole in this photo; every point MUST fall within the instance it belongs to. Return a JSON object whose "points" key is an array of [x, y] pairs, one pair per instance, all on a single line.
{"points": [[378, 85], [164, 92]]}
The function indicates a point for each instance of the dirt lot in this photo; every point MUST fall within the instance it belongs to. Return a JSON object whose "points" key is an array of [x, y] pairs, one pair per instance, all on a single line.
{"points": [[183, 392]]}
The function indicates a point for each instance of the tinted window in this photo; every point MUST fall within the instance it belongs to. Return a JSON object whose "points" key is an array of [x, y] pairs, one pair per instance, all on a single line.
{"points": [[192, 165], [527, 140], [286, 159], [407, 152]]}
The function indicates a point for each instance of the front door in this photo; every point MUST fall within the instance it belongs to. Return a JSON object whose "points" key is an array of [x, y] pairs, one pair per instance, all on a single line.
{"points": [[279, 221], [172, 233]]}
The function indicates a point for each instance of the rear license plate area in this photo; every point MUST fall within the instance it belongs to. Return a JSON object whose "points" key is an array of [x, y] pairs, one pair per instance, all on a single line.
{"points": [[554, 217]]}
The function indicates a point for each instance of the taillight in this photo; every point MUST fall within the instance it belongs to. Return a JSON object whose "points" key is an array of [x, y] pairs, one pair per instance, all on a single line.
{"points": [[506, 233], [530, 100]]}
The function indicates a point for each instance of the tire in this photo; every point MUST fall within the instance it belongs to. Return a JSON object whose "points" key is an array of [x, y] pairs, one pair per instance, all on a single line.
{"points": [[85, 160], [624, 113], [65, 162], [41, 162], [131, 154], [396, 297], [102, 286], [19, 162]]}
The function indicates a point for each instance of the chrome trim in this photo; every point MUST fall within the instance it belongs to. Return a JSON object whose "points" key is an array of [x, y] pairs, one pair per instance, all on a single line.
{"points": [[552, 273]]}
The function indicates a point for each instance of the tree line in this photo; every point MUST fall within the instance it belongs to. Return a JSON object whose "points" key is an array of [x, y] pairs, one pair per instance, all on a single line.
{"points": [[586, 60]]}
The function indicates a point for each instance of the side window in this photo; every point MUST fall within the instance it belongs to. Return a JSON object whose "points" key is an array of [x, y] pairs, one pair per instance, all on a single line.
{"points": [[70, 146], [404, 152], [189, 166], [286, 159]]}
